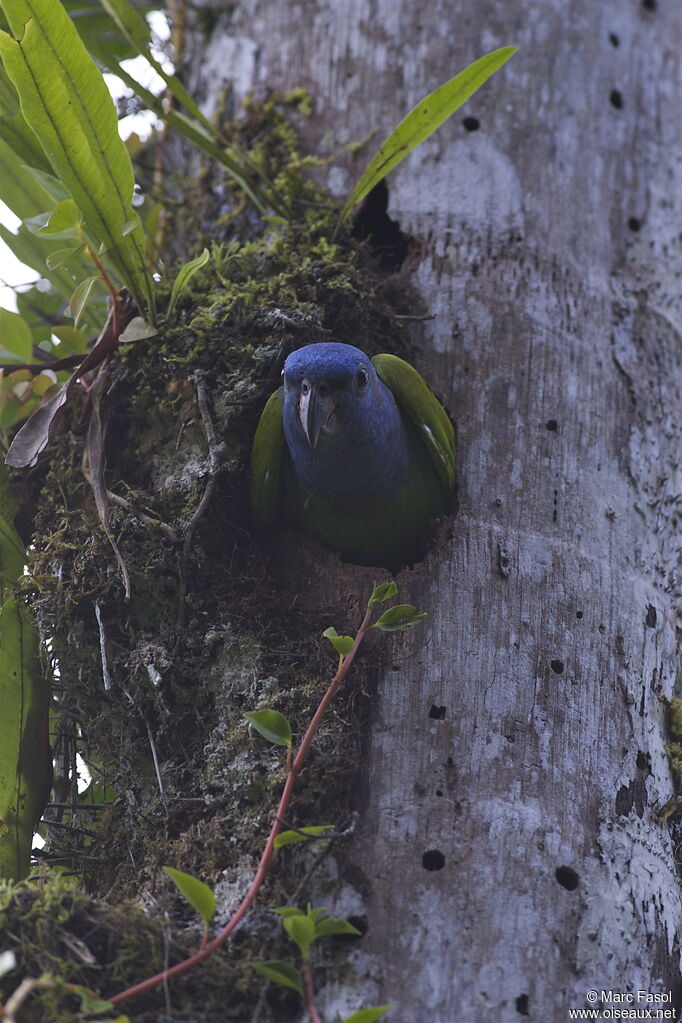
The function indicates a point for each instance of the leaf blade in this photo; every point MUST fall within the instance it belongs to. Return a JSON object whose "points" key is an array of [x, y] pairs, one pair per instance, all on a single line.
{"points": [[425, 118]]}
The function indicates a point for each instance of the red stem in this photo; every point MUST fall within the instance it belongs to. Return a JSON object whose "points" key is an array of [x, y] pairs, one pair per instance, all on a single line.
{"points": [[310, 993], [266, 858]]}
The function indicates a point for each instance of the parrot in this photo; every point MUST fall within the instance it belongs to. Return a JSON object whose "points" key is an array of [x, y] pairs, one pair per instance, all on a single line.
{"points": [[358, 452]]}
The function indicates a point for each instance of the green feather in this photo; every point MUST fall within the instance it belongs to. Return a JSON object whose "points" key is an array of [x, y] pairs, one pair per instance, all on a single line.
{"points": [[416, 399], [267, 456]]}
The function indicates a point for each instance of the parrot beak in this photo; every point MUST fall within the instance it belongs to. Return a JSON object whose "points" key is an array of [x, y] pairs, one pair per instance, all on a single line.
{"points": [[316, 410]]}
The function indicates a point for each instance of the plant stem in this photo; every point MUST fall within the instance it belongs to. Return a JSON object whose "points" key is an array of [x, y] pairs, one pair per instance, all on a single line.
{"points": [[268, 852], [310, 993]]}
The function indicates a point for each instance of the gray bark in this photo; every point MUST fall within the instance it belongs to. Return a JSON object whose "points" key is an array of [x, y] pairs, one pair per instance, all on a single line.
{"points": [[550, 258]]}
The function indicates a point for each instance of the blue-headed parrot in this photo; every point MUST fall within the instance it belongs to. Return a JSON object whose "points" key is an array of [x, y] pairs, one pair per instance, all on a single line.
{"points": [[358, 452]]}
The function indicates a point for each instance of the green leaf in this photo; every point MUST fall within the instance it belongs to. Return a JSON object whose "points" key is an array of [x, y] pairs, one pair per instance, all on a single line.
{"points": [[64, 217], [271, 725], [74, 341], [61, 256], [24, 195], [424, 119], [91, 1003], [16, 338], [198, 894], [399, 617], [342, 644], [289, 911], [381, 593], [64, 99], [25, 762], [185, 274], [292, 837], [282, 973], [301, 930], [137, 330], [79, 299], [367, 1015], [329, 925]]}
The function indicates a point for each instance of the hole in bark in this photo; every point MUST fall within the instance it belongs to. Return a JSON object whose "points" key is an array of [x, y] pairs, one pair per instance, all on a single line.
{"points": [[437, 712], [552, 425], [557, 667], [567, 878], [556, 499], [649, 5], [634, 223], [382, 233], [439, 792], [644, 762], [616, 99], [613, 39], [522, 1005], [651, 616], [433, 859], [578, 614], [471, 123]]}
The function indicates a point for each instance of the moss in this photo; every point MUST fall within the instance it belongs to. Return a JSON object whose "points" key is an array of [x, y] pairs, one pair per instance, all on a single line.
{"points": [[184, 781]]}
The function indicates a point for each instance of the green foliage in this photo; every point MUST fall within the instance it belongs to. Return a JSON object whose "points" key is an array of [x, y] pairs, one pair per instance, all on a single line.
{"points": [[185, 274], [382, 593], [25, 763], [306, 927], [198, 894], [301, 835], [424, 119], [367, 1015], [66, 103], [271, 725], [399, 617], [342, 644], [281, 973]]}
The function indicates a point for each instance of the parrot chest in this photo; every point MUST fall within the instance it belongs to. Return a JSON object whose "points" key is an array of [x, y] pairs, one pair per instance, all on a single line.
{"points": [[386, 525]]}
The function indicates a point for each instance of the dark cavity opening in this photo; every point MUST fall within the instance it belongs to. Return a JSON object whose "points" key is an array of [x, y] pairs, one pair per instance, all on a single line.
{"points": [[374, 225]]}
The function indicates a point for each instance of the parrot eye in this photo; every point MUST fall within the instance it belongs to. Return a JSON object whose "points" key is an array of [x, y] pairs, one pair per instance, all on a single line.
{"points": [[361, 378], [305, 387]]}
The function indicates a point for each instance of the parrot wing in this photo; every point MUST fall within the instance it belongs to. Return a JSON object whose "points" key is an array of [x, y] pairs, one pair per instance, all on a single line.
{"points": [[418, 402], [267, 456]]}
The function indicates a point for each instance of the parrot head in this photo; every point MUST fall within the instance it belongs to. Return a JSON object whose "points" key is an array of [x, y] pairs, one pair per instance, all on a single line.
{"points": [[332, 386]]}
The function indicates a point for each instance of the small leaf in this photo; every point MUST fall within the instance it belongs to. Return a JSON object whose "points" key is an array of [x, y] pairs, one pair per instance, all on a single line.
{"points": [[342, 644], [16, 337], [137, 330], [367, 1015], [289, 911], [424, 119], [334, 925], [91, 1003], [64, 218], [130, 226], [281, 973], [398, 618], [271, 725], [74, 341], [59, 257], [382, 593], [42, 382], [79, 299], [198, 894], [292, 837], [185, 275], [301, 930]]}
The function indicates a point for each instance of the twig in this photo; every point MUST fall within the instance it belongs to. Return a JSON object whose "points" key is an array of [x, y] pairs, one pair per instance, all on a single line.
{"points": [[106, 677], [148, 520], [157, 767], [268, 853], [214, 468]]}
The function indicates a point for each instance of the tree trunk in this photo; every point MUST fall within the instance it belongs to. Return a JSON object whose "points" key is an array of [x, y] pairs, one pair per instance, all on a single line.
{"points": [[509, 853]]}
